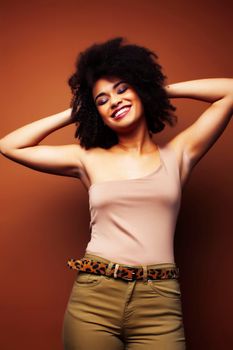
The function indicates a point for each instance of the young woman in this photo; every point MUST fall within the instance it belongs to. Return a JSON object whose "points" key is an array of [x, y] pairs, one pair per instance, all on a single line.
{"points": [[126, 294]]}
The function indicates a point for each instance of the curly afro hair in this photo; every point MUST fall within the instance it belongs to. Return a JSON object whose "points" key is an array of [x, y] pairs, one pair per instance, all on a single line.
{"points": [[134, 64]]}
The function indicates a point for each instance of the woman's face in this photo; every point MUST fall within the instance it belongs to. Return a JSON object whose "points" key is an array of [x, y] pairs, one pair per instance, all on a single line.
{"points": [[117, 102]]}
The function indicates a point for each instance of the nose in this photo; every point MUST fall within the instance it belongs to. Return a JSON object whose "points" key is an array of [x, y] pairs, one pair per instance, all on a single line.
{"points": [[115, 100]]}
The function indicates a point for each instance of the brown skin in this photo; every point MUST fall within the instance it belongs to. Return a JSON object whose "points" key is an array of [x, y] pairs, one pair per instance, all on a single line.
{"points": [[132, 130], [195, 141], [136, 155]]}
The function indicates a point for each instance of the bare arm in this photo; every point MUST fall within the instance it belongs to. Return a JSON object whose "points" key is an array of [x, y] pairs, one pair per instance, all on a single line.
{"points": [[193, 143], [209, 90], [21, 146], [31, 134]]}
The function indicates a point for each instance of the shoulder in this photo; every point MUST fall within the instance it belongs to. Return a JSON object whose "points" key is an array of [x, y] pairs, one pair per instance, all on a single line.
{"points": [[90, 158]]}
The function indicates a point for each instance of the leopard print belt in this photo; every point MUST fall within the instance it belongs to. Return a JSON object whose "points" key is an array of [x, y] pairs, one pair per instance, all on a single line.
{"points": [[128, 273]]}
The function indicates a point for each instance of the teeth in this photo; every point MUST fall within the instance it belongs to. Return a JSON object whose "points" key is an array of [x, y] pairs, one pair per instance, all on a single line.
{"points": [[121, 111]]}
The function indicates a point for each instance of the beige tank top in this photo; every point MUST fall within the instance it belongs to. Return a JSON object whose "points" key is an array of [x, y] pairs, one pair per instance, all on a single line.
{"points": [[133, 221]]}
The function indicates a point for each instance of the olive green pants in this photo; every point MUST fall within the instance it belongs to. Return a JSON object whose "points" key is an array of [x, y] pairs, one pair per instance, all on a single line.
{"points": [[104, 313]]}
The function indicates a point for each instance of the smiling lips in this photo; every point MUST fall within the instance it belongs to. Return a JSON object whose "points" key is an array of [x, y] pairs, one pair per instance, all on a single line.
{"points": [[121, 113]]}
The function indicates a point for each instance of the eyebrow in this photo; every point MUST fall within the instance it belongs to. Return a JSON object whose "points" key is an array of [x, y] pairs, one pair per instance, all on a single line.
{"points": [[114, 87]]}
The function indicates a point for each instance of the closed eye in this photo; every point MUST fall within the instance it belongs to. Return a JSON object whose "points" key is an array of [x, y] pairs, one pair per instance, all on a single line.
{"points": [[119, 91], [101, 102]]}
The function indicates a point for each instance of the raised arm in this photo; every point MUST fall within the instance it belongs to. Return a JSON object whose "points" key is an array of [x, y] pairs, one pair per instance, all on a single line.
{"points": [[21, 146], [209, 90], [192, 143]]}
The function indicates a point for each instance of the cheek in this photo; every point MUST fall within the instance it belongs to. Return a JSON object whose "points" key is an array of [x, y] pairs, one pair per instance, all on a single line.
{"points": [[140, 108], [138, 103], [101, 111], [135, 98]]}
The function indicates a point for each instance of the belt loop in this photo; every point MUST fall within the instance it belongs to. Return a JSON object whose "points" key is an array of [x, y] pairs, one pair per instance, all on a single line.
{"points": [[144, 272], [115, 270], [108, 270]]}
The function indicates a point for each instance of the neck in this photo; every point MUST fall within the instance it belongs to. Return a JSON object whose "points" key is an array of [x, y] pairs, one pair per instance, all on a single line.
{"points": [[137, 141]]}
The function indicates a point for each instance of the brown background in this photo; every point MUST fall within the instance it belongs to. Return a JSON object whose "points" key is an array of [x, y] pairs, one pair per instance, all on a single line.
{"points": [[44, 218]]}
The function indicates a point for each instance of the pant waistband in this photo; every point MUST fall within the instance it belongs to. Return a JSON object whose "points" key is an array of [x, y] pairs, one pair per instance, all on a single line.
{"points": [[125, 272]]}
